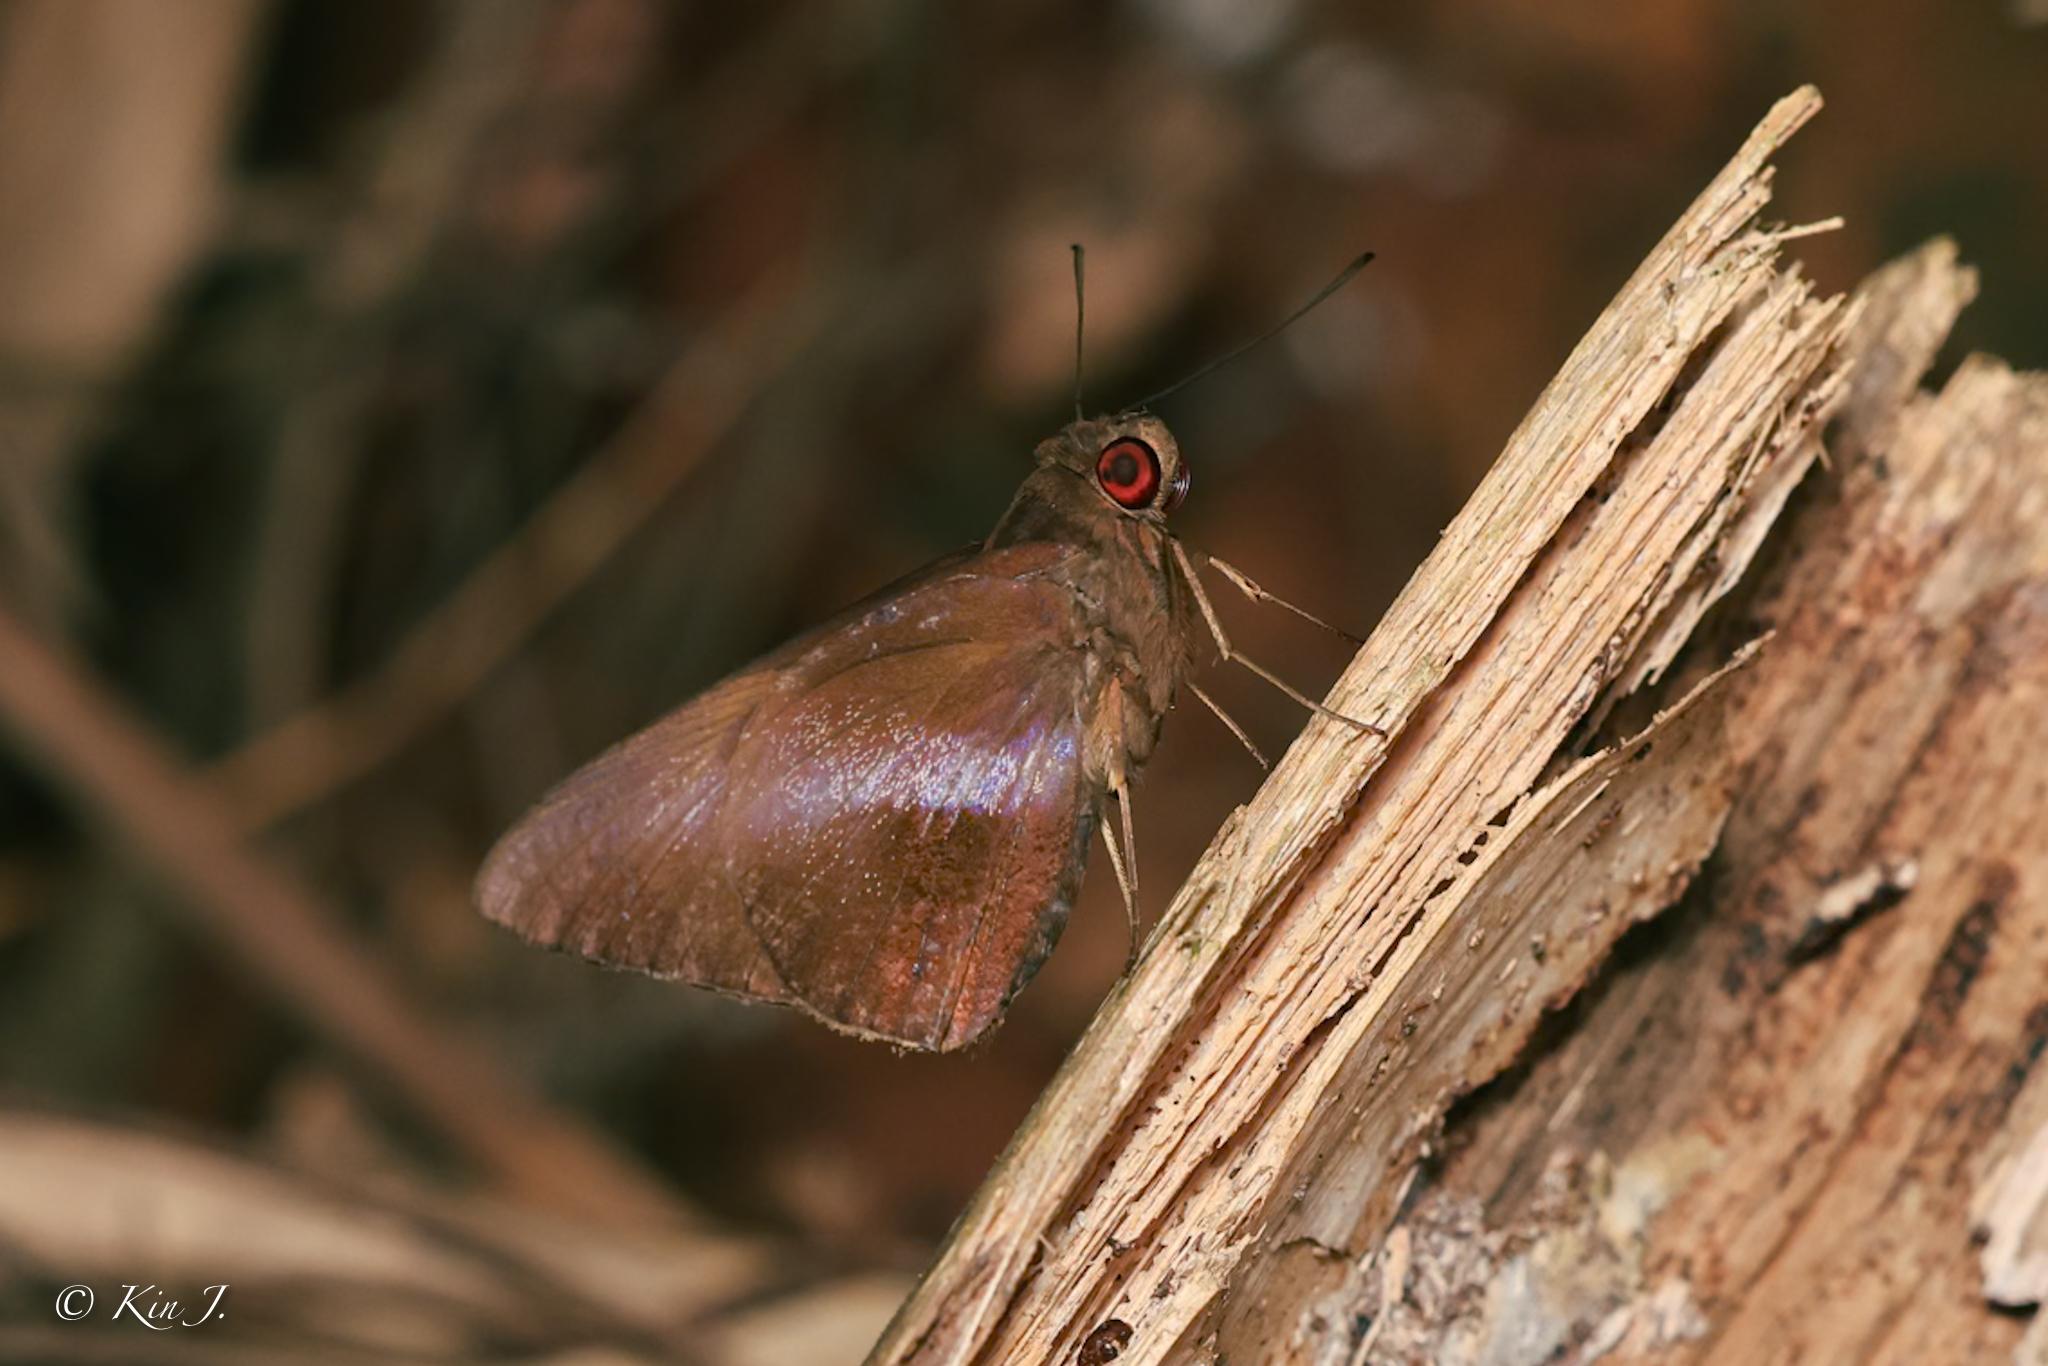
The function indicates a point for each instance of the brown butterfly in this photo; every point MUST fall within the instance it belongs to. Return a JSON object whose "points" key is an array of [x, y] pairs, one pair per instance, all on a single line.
{"points": [[884, 821]]}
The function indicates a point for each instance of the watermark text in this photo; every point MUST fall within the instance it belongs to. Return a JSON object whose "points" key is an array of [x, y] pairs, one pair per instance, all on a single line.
{"points": [[152, 1306]]}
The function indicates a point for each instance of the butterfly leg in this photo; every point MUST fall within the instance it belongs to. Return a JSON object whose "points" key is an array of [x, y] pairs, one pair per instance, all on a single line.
{"points": [[1244, 584], [1123, 857], [1231, 723], [1234, 656]]}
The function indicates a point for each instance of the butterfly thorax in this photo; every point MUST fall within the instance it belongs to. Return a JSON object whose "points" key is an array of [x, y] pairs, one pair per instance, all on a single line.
{"points": [[1132, 617]]}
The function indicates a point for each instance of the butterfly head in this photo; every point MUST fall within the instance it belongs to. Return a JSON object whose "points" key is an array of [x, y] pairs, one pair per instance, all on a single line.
{"points": [[1131, 460]]}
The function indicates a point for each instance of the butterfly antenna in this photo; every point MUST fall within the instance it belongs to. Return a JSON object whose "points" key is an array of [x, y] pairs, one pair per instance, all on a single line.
{"points": [[1080, 318], [1342, 279]]}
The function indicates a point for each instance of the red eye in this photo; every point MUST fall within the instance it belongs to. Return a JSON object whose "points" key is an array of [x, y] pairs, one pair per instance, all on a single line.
{"points": [[1128, 471]]}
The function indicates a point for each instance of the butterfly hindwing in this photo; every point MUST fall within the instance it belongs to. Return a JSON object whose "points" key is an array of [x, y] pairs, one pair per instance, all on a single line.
{"points": [[614, 863]]}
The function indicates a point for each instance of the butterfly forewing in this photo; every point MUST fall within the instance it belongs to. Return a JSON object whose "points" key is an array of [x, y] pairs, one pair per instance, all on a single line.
{"points": [[883, 822]]}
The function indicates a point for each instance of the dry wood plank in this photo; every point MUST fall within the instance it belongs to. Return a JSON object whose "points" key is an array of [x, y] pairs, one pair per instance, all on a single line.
{"points": [[1174, 1153]]}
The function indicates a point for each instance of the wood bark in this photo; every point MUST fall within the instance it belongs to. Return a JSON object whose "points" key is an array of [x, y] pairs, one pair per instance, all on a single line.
{"points": [[1669, 983]]}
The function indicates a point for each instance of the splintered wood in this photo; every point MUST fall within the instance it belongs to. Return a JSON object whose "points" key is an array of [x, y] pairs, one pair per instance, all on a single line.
{"points": [[1816, 1090], [1382, 931], [1805, 1119], [1798, 1119]]}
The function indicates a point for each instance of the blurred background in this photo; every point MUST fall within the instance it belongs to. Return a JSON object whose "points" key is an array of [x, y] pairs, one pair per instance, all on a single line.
{"points": [[401, 401]]}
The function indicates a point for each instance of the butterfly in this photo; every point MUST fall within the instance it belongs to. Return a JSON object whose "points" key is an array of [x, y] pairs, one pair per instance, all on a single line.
{"points": [[884, 822]]}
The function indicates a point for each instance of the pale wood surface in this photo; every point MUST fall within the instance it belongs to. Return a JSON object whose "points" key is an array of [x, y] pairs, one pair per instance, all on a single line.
{"points": [[1777, 1091], [1825, 1072]]}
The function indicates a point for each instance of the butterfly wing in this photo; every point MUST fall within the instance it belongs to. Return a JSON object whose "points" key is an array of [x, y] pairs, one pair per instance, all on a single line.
{"points": [[616, 863], [883, 823]]}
